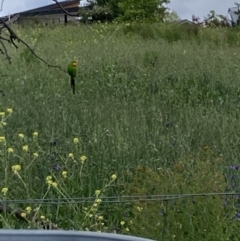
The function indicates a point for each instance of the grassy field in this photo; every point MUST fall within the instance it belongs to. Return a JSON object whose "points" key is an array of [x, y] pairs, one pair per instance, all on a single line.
{"points": [[156, 111]]}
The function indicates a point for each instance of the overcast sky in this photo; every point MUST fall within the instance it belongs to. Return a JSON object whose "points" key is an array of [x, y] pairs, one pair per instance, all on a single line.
{"points": [[184, 8]]}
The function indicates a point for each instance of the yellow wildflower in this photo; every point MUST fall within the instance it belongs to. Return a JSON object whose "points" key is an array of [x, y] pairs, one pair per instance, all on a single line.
{"points": [[114, 176], [42, 217], [10, 111], [127, 229], [25, 148], [2, 139], [36, 209], [4, 190], [28, 209], [35, 134], [94, 208], [122, 223], [100, 217], [4, 123], [64, 174], [75, 140], [98, 200], [21, 135], [71, 155], [10, 150], [83, 159], [23, 215], [54, 184], [97, 192], [16, 168], [48, 178], [2, 114], [35, 154], [139, 209]]}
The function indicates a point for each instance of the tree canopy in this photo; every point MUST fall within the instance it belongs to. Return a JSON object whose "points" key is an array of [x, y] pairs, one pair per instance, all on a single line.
{"points": [[133, 10]]}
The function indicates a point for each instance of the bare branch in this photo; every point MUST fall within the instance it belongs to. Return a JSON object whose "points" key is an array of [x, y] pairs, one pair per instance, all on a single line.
{"points": [[65, 11], [33, 52], [1, 8], [13, 38], [4, 51]]}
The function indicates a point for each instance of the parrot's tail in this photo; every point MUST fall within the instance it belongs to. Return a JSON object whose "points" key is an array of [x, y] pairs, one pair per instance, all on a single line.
{"points": [[73, 84]]}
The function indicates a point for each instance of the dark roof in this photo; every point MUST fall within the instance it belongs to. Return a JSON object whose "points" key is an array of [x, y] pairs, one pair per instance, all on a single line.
{"points": [[183, 21], [70, 5]]}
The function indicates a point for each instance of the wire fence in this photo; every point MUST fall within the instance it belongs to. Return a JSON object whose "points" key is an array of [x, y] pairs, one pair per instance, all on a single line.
{"points": [[166, 211], [115, 199]]}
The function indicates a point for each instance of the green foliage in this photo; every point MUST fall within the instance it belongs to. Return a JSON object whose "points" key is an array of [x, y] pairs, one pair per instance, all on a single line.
{"points": [[171, 16], [142, 11], [171, 32], [101, 7], [97, 13], [180, 218], [154, 104], [128, 10]]}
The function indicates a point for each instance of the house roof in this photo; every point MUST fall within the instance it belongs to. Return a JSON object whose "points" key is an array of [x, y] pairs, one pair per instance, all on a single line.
{"points": [[69, 5], [183, 21]]}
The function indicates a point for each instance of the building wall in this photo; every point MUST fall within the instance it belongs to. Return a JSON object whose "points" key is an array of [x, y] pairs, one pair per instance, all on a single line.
{"points": [[48, 15], [50, 19]]}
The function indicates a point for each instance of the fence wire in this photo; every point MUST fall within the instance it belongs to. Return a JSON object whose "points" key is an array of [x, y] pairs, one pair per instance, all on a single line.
{"points": [[114, 199]]}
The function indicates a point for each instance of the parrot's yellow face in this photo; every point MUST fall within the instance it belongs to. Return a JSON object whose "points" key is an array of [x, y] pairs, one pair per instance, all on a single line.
{"points": [[75, 63]]}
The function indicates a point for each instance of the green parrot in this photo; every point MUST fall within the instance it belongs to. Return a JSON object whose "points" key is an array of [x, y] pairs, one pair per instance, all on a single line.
{"points": [[72, 70]]}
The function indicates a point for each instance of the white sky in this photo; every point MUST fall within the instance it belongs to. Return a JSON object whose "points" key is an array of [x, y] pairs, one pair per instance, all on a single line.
{"points": [[184, 8]]}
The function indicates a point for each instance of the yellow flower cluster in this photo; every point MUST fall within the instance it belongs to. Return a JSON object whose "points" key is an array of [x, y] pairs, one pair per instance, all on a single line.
{"points": [[75, 140], [16, 168], [2, 139], [9, 110], [114, 176], [97, 192], [70, 155], [83, 159], [28, 209], [25, 148], [10, 150], [4, 117], [64, 174], [50, 182], [4, 191], [21, 135]]}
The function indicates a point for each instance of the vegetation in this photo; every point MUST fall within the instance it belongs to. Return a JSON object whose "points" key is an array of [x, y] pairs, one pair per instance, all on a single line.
{"points": [[156, 111], [126, 10]]}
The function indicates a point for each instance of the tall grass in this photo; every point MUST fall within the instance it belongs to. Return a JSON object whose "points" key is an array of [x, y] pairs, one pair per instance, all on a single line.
{"points": [[157, 106]]}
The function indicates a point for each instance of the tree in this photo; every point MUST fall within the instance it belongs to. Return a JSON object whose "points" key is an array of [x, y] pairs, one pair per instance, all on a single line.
{"points": [[9, 36], [110, 5], [216, 20], [171, 16], [142, 10]]}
